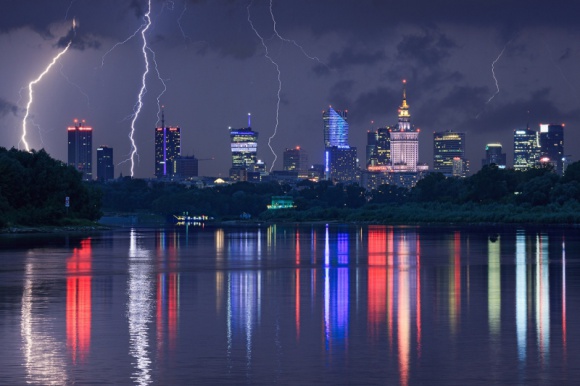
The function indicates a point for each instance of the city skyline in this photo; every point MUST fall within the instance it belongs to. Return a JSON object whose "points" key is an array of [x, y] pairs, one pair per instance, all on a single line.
{"points": [[468, 70]]}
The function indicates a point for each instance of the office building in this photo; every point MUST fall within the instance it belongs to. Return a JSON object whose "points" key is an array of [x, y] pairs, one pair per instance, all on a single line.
{"points": [[105, 165], [552, 146], [80, 148], [526, 149], [167, 149], [494, 155], [244, 148], [335, 128], [404, 140], [371, 148], [295, 159], [186, 167], [341, 164], [449, 153]]}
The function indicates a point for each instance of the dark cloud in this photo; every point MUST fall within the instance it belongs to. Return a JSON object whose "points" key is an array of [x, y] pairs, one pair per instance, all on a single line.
{"points": [[428, 49], [7, 108], [340, 94], [350, 56], [379, 105], [79, 42]]}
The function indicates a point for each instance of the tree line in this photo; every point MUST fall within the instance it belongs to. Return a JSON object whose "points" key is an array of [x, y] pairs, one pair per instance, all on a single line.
{"points": [[33, 189]]}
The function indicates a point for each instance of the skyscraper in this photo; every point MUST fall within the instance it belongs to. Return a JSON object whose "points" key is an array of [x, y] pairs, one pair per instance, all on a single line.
{"points": [[371, 149], [383, 146], [449, 153], [295, 160], [244, 147], [494, 155], [167, 149], [341, 163], [552, 146], [404, 143], [335, 128], [105, 165], [80, 148], [526, 149]]}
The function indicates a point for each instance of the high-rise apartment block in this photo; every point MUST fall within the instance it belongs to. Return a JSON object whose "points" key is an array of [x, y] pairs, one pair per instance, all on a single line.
{"points": [[80, 148], [105, 165], [449, 154], [167, 149]]}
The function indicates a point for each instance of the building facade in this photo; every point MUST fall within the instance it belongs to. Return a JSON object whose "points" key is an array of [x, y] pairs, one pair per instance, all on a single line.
{"points": [[105, 164], [244, 148], [341, 164], [526, 149], [295, 159], [80, 148], [186, 167], [449, 154]]}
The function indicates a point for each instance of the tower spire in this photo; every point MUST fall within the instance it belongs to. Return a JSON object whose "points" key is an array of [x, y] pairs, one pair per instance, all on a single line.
{"points": [[163, 117], [249, 119], [404, 115]]}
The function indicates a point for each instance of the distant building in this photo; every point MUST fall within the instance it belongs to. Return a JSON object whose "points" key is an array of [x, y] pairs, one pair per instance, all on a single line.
{"points": [[526, 149], [449, 154], [494, 155], [186, 167], [552, 146], [80, 148], [167, 149], [295, 159], [244, 148], [335, 127], [105, 164], [383, 148], [404, 141]]}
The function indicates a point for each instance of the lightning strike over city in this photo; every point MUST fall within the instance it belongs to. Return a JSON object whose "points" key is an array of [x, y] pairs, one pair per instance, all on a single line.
{"points": [[267, 55], [31, 92], [494, 77]]}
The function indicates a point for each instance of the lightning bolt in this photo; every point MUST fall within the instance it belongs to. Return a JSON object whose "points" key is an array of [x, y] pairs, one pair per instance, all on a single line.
{"points": [[31, 94], [494, 77], [153, 57], [75, 85], [267, 55], [143, 89]]}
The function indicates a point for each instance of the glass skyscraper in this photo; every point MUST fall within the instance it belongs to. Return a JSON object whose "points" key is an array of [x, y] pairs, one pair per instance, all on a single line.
{"points": [[80, 148], [552, 146], [335, 128], [449, 153]]}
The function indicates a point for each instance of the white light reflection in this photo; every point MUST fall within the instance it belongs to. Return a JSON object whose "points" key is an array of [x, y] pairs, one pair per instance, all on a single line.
{"points": [[521, 295], [542, 298], [494, 287], [139, 308], [43, 354]]}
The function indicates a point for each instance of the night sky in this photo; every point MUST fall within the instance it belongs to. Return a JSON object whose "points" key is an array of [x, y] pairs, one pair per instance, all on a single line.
{"points": [[351, 54]]}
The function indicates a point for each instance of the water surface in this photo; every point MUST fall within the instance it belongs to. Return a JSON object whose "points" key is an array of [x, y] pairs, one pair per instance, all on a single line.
{"points": [[292, 305]]}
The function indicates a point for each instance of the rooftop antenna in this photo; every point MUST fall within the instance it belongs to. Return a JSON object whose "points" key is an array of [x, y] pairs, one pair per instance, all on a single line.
{"points": [[249, 119], [162, 117]]}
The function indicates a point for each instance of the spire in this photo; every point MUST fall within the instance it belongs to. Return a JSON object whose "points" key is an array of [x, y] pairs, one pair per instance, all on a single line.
{"points": [[404, 109], [162, 117], [249, 119]]}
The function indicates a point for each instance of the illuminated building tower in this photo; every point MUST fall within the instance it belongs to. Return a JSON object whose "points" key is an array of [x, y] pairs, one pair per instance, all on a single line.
{"points": [[80, 148], [244, 147], [526, 149], [105, 165], [494, 155], [449, 153], [335, 128], [552, 146], [295, 160], [404, 143], [167, 149]]}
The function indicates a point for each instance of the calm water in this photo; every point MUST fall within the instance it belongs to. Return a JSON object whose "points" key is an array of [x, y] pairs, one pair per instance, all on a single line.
{"points": [[292, 305]]}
